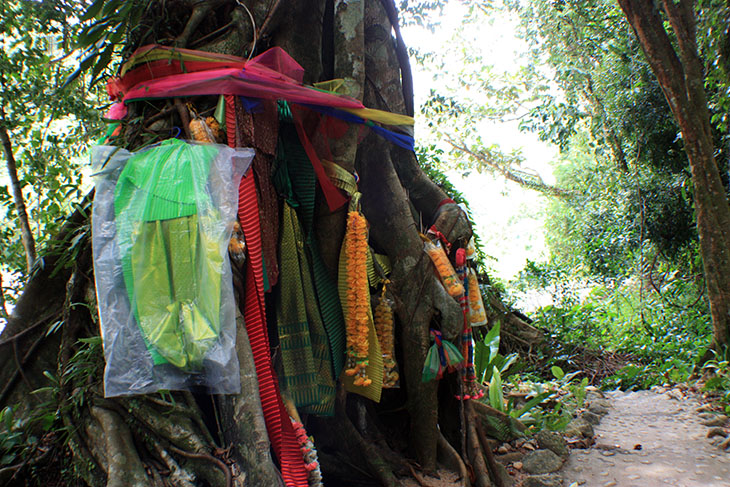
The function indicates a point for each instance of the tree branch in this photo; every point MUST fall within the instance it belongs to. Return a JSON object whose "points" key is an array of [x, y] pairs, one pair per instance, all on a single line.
{"points": [[536, 183], [20, 209]]}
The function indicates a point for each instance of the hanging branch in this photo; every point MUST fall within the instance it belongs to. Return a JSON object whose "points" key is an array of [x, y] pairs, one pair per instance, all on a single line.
{"points": [[532, 181]]}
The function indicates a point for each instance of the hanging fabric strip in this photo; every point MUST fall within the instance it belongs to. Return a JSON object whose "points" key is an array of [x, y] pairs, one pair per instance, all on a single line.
{"points": [[334, 198], [305, 355], [278, 425], [468, 375], [301, 180]]}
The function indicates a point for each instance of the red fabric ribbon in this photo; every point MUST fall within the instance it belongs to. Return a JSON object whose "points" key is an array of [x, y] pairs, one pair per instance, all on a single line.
{"points": [[446, 201], [335, 199], [278, 425], [460, 258], [436, 233]]}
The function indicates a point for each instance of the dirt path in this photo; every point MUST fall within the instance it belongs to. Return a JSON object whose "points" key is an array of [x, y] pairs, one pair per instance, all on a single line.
{"points": [[649, 440]]}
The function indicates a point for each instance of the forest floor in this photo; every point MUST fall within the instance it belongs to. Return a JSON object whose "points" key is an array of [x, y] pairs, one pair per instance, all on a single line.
{"points": [[653, 438]]}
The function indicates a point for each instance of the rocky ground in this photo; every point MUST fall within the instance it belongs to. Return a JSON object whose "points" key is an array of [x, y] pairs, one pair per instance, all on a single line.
{"points": [[652, 438]]}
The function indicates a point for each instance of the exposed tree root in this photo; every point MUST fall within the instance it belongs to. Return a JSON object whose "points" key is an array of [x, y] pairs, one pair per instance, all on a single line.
{"points": [[379, 467], [480, 468], [210, 458], [491, 462], [450, 458], [123, 465]]}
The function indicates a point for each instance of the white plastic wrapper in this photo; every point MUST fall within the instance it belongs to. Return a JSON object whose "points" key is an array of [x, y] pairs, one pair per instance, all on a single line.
{"points": [[162, 219]]}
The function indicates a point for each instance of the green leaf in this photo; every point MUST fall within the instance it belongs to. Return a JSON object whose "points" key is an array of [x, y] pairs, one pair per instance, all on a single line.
{"points": [[491, 340], [93, 10], [532, 403], [101, 63], [496, 396], [557, 372]]}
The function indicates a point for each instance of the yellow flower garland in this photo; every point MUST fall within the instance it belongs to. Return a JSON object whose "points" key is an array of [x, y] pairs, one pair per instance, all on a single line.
{"points": [[356, 249]]}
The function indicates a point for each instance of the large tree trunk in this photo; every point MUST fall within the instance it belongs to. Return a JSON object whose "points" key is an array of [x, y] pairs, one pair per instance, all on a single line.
{"points": [[187, 439], [680, 75]]}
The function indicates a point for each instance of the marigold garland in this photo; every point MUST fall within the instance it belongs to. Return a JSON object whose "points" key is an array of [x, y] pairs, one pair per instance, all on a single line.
{"points": [[357, 299], [477, 314], [384, 330], [445, 270]]}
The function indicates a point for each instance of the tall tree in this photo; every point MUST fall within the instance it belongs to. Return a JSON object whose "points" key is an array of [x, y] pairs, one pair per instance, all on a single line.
{"points": [[680, 73]]}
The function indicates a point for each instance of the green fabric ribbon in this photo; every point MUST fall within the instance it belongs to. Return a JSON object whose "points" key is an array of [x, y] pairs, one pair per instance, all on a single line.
{"points": [[295, 180], [306, 362]]}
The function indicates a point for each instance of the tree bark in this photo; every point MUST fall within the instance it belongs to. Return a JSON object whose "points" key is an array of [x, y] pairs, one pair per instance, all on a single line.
{"points": [[25, 232], [680, 75]]}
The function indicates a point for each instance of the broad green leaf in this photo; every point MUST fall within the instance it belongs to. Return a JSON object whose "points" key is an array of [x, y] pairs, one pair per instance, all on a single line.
{"points": [[93, 10], [557, 372], [496, 396]]}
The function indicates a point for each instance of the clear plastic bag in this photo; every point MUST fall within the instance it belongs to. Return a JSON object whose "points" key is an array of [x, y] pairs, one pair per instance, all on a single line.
{"points": [[162, 220]]}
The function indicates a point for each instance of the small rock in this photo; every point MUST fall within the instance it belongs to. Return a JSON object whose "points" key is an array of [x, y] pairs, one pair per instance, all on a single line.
{"points": [[509, 457], [718, 420], [716, 440], [725, 444], [704, 408], [517, 465], [716, 432], [549, 440], [675, 394], [546, 480], [596, 397], [579, 427], [598, 409], [706, 415], [591, 418], [502, 449], [542, 461]]}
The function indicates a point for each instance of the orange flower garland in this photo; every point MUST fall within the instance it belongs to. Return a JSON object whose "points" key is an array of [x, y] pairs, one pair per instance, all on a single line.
{"points": [[445, 270], [358, 306], [477, 314], [384, 330]]}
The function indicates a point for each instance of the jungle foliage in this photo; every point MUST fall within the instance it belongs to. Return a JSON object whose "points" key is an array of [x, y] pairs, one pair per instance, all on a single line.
{"points": [[48, 128]]}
